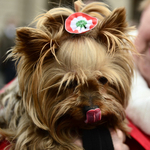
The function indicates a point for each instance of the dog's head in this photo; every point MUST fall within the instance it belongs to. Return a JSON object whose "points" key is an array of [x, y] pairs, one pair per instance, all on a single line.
{"points": [[75, 81]]}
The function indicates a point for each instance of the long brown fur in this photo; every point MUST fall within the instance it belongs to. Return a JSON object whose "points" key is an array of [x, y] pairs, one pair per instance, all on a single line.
{"points": [[59, 73]]}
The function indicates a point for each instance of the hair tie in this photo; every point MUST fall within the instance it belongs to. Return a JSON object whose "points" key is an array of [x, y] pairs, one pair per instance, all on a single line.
{"points": [[80, 23]]}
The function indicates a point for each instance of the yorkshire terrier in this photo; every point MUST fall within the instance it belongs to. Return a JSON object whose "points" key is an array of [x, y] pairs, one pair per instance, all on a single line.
{"points": [[68, 79]]}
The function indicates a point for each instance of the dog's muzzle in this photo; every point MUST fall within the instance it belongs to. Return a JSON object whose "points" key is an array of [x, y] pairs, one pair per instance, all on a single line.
{"points": [[93, 114]]}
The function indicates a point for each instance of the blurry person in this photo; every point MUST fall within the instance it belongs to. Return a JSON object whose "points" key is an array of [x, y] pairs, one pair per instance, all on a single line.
{"points": [[138, 110], [7, 41], [142, 42]]}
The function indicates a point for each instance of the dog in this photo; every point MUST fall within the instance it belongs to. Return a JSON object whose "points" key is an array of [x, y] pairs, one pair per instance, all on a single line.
{"points": [[68, 81]]}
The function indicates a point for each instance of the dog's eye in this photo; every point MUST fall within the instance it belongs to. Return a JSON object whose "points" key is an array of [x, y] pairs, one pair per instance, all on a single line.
{"points": [[103, 80], [71, 84]]}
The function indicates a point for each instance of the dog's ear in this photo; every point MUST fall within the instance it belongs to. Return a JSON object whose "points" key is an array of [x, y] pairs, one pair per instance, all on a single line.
{"points": [[113, 29], [116, 20], [33, 43]]}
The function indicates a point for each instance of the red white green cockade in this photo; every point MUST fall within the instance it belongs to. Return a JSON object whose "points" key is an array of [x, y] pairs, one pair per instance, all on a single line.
{"points": [[80, 23]]}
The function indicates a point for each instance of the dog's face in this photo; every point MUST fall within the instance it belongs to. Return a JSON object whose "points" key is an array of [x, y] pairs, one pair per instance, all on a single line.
{"points": [[75, 81], [87, 91]]}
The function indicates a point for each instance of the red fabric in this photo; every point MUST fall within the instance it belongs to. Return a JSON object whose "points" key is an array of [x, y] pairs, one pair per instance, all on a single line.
{"points": [[3, 89], [133, 144], [139, 140], [4, 144]]}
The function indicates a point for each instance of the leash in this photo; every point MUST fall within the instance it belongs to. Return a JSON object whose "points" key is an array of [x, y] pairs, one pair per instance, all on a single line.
{"points": [[97, 139]]}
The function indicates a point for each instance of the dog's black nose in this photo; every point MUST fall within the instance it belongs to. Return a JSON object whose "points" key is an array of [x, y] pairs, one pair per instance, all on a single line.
{"points": [[87, 108]]}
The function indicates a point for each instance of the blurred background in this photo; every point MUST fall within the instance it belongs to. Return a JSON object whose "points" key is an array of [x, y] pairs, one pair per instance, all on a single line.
{"points": [[17, 13]]}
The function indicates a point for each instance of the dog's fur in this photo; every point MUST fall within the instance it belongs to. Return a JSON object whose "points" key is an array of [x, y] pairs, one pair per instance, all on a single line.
{"points": [[60, 73]]}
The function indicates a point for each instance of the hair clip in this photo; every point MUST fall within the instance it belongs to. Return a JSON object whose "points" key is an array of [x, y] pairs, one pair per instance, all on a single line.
{"points": [[80, 23]]}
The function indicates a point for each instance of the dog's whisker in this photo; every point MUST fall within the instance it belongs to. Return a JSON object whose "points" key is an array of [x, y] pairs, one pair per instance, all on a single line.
{"points": [[52, 86]]}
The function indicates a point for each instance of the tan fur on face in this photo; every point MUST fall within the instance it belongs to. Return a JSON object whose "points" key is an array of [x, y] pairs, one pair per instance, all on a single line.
{"points": [[59, 73]]}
